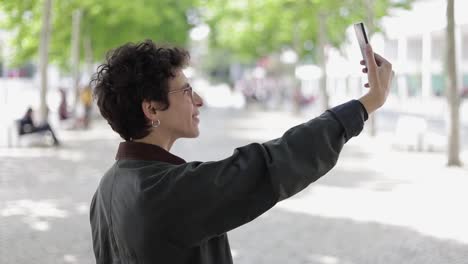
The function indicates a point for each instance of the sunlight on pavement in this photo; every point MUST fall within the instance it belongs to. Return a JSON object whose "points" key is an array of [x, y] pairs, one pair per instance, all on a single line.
{"points": [[69, 258], [33, 212], [323, 259], [82, 208], [407, 189], [63, 154], [422, 210], [39, 225]]}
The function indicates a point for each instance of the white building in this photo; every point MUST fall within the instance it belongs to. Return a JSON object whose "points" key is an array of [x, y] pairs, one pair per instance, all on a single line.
{"points": [[414, 41]]}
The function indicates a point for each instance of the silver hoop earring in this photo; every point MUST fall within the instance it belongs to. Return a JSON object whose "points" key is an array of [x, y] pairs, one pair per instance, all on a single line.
{"points": [[155, 124]]}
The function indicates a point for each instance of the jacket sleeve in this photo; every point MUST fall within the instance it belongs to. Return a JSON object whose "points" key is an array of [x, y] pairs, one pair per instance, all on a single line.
{"points": [[211, 198]]}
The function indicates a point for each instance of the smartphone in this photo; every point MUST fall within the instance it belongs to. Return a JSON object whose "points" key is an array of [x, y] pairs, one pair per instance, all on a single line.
{"points": [[362, 38]]}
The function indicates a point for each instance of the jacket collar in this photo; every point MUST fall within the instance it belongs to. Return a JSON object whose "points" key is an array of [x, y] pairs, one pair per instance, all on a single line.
{"points": [[142, 151]]}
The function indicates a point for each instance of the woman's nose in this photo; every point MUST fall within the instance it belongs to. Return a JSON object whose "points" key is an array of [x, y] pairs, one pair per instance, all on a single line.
{"points": [[197, 100]]}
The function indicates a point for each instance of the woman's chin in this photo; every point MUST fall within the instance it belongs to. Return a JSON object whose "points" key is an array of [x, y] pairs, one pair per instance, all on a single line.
{"points": [[194, 133]]}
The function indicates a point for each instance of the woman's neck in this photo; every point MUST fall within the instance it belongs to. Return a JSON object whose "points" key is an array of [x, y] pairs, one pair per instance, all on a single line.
{"points": [[160, 140]]}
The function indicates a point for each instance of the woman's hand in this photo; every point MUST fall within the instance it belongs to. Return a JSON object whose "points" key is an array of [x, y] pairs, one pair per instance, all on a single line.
{"points": [[380, 74]]}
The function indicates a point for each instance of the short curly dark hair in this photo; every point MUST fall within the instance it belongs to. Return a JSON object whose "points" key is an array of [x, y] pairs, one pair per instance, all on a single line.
{"points": [[131, 74]]}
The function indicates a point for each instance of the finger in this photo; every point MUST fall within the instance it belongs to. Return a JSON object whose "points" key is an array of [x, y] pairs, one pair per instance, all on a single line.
{"points": [[371, 66], [364, 70], [363, 62], [379, 57], [381, 60]]}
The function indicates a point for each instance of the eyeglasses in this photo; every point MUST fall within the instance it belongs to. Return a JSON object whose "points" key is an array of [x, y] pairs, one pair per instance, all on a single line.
{"points": [[186, 89]]}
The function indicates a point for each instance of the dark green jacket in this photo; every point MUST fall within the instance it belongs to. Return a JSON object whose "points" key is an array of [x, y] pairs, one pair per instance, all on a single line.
{"points": [[153, 207]]}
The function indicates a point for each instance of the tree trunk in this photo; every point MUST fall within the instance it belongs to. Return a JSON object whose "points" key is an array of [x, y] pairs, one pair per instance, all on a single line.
{"points": [[453, 97], [322, 61], [88, 49], [44, 58], [370, 30], [297, 88], [75, 55]]}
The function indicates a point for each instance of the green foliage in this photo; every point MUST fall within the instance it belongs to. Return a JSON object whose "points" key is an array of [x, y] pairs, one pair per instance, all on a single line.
{"points": [[250, 29], [108, 23]]}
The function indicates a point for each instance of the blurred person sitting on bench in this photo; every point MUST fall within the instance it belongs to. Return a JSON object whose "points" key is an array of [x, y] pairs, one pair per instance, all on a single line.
{"points": [[27, 126]]}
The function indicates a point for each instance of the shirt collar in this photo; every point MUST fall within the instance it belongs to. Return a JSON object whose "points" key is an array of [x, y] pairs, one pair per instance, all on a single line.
{"points": [[143, 151]]}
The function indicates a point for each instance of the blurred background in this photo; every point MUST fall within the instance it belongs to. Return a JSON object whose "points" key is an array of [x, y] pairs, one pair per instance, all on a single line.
{"points": [[396, 196]]}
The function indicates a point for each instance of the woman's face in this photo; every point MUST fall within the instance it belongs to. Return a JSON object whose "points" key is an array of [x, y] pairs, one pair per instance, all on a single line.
{"points": [[181, 119]]}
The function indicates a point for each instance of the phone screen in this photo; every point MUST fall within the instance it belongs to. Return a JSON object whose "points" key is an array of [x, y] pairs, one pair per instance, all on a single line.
{"points": [[362, 38]]}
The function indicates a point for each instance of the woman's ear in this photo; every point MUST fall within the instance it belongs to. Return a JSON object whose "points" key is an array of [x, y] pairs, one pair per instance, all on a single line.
{"points": [[150, 109]]}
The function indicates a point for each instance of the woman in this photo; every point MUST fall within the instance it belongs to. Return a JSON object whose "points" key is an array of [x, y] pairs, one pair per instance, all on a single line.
{"points": [[153, 207]]}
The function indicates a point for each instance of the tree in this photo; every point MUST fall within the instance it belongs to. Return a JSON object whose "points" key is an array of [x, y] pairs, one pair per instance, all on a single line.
{"points": [[103, 25], [453, 97], [251, 29]]}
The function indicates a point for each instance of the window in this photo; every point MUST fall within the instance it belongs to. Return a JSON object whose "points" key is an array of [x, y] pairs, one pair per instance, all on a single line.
{"points": [[394, 88], [438, 84], [414, 84], [391, 49], [414, 49], [464, 92], [465, 46], [438, 48]]}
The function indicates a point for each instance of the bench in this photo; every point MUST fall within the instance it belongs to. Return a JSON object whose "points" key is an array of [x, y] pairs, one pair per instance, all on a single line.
{"points": [[36, 139]]}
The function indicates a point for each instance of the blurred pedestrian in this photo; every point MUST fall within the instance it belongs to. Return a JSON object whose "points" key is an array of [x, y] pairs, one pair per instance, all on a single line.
{"points": [[86, 98], [63, 106], [154, 207], [27, 126]]}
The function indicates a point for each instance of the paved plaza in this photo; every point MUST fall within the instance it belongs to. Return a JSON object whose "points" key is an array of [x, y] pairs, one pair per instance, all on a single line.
{"points": [[378, 205]]}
